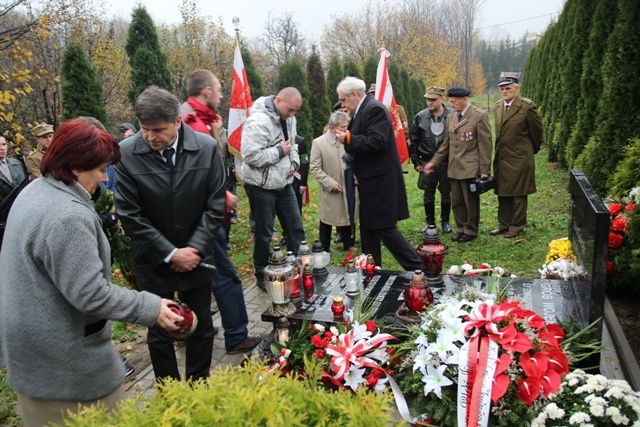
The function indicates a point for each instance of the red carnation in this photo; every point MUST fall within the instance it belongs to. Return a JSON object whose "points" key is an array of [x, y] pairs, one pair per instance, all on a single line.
{"points": [[317, 341], [611, 270], [615, 240], [615, 208], [620, 223], [371, 326], [319, 354], [630, 207]]}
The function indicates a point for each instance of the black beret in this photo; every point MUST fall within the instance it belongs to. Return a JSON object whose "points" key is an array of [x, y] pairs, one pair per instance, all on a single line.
{"points": [[337, 106], [125, 127], [458, 92]]}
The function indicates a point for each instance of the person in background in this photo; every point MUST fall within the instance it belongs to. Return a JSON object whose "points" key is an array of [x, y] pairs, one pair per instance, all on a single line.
{"points": [[170, 193], [198, 112], [518, 138], [427, 134], [271, 158], [57, 303], [371, 141], [43, 133], [467, 149], [12, 177], [327, 167], [126, 130], [301, 176]]}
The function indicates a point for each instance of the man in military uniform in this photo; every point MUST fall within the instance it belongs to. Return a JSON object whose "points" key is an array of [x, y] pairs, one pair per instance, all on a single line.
{"points": [[518, 137], [427, 134], [467, 147], [43, 133]]}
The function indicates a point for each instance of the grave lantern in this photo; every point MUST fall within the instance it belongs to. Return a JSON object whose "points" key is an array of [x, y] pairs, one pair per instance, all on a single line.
{"points": [[320, 259], [278, 279], [432, 252]]}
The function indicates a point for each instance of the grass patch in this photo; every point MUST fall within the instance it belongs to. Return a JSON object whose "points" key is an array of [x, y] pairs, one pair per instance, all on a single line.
{"points": [[9, 416], [124, 331]]}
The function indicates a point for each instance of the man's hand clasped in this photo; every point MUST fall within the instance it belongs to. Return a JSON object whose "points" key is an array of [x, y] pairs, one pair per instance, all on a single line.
{"points": [[185, 259]]}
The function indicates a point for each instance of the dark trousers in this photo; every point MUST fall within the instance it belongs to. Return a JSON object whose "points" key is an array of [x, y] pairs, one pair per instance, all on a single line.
{"points": [[465, 206], [227, 289], [394, 241], [512, 213], [348, 239], [429, 183], [199, 345]]}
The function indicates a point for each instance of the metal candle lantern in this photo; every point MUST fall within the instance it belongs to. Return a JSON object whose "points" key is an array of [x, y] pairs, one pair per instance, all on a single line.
{"points": [[352, 279], [320, 259], [282, 330], [278, 278], [432, 252], [296, 294], [304, 256]]}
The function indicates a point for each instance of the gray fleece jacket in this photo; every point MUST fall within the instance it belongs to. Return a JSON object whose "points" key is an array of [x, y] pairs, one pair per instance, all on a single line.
{"points": [[55, 292]]}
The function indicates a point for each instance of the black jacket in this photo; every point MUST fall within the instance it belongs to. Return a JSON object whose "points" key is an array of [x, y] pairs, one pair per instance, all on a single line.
{"points": [[161, 211], [423, 142]]}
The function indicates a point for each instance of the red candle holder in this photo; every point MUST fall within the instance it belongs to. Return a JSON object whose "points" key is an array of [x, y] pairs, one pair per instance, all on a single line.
{"points": [[189, 323], [296, 294], [370, 266], [307, 281], [418, 295], [432, 253], [337, 307]]}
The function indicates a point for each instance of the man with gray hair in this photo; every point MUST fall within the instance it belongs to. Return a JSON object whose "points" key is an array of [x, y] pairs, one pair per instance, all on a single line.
{"points": [[270, 160], [371, 141], [327, 167], [170, 193]]}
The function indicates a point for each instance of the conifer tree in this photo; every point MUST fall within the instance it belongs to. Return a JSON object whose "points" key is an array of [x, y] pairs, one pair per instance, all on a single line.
{"points": [[292, 74], [255, 81], [81, 90], [318, 103], [352, 69], [148, 62], [370, 70], [617, 119], [591, 79], [334, 76]]}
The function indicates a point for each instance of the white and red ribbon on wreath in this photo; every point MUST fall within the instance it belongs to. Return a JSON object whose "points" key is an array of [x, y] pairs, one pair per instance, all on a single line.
{"points": [[282, 360], [477, 366], [349, 353]]}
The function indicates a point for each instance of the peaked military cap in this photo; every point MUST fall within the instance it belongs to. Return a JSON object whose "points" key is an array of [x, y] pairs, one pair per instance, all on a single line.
{"points": [[41, 130]]}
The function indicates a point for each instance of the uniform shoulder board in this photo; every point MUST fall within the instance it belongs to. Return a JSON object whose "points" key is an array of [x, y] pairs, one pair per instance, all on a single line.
{"points": [[527, 100]]}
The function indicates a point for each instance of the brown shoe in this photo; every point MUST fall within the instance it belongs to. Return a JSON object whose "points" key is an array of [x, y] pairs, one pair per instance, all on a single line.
{"points": [[510, 234], [497, 232], [245, 346]]}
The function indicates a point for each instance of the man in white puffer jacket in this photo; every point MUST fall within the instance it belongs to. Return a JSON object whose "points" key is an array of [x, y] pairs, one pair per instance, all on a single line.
{"points": [[270, 159]]}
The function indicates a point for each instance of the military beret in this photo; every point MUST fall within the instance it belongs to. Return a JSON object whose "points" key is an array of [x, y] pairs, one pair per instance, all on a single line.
{"points": [[337, 106], [41, 130], [125, 127], [458, 92], [434, 92], [372, 88]]}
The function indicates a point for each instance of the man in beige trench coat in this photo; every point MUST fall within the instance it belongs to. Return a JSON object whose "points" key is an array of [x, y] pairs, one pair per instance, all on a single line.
{"points": [[518, 137]]}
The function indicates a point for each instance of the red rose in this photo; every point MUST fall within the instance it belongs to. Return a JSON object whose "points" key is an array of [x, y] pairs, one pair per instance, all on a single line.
{"points": [[611, 271], [615, 208], [374, 376], [319, 354], [629, 208], [619, 223], [328, 335], [317, 341], [371, 326], [615, 240]]}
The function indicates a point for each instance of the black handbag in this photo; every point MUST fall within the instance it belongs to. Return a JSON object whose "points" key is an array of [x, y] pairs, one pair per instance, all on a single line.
{"points": [[479, 186]]}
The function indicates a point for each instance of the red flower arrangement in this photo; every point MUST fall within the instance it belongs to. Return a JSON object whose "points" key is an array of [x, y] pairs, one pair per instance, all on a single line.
{"points": [[618, 232], [615, 240]]}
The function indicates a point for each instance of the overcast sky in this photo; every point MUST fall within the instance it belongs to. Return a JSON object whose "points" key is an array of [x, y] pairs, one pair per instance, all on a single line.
{"points": [[498, 17]]}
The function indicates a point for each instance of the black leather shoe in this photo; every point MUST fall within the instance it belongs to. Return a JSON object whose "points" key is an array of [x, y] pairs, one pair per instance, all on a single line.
{"points": [[457, 237], [426, 226], [446, 228], [338, 238], [464, 238]]}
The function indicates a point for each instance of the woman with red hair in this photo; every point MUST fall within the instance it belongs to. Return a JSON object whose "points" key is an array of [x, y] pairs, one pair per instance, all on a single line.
{"points": [[56, 295]]}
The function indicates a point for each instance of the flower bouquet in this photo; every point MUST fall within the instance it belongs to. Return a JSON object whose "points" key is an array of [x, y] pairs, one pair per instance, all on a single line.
{"points": [[484, 269], [351, 355], [478, 361], [591, 400], [561, 263]]}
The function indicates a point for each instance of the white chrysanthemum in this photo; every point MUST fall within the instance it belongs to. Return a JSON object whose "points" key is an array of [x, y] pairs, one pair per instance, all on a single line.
{"points": [[554, 412], [612, 411], [579, 418], [592, 399], [318, 327], [596, 410], [587, 388], [615, 391], [622, 385]]}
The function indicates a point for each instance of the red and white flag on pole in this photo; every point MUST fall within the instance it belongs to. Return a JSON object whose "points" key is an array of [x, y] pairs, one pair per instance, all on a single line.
{"points": [[240, 102], [384, 94]]}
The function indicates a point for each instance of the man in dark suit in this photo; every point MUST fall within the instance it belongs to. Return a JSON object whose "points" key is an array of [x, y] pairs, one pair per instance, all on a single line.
{"points": [[518, 138], [383, 199], [170, 193], [467, 148]]}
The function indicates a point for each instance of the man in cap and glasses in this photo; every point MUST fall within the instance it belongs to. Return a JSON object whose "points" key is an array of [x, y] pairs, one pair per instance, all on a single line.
{"points": [[518, 137], [427, 134], [467, 148], [43, 133]]}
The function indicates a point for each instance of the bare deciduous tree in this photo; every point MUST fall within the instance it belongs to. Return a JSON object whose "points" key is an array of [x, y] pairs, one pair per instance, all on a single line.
{"points": [[281, 37]]}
